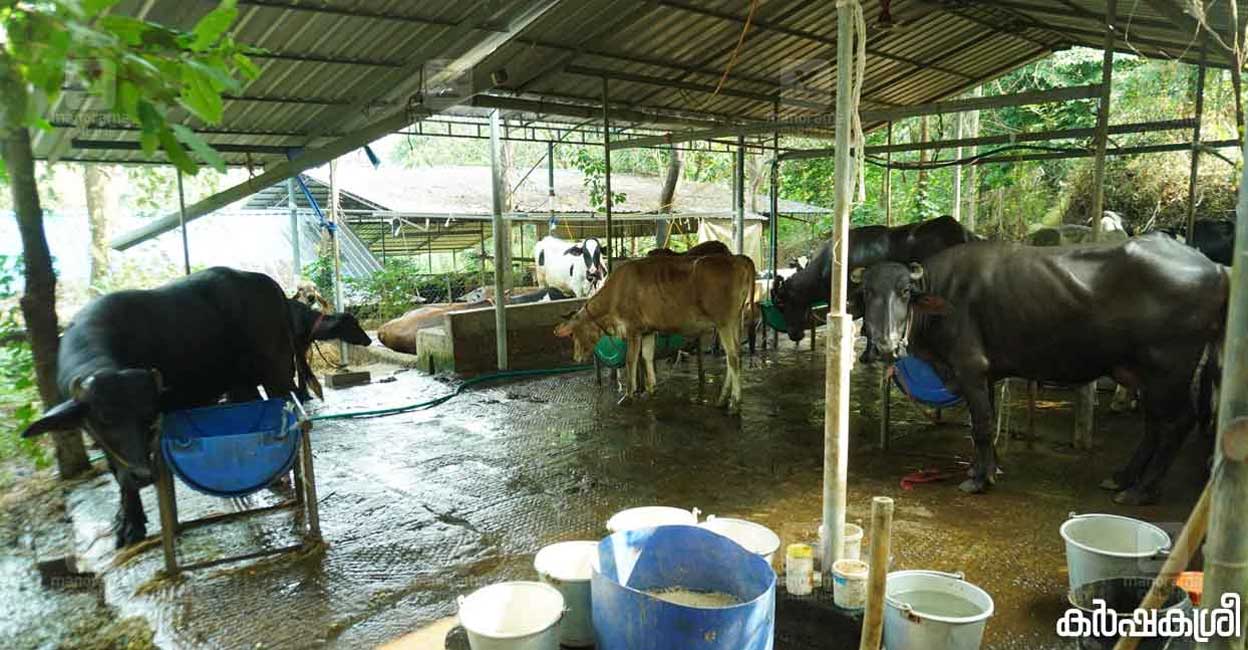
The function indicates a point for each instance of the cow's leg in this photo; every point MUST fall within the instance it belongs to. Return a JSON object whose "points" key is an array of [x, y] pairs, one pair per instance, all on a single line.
{"points": [[984, 472], [132, 527], [1172, 417], [647, 356], [730, 394], [630, 364], [701, 368]]}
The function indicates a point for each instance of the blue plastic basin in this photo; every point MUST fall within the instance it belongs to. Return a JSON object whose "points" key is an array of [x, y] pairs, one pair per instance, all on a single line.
{"points": [[231, 450], [631, 563]]}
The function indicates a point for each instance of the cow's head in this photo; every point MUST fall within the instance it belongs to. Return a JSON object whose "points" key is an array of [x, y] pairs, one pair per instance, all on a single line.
{"points": [[343, 327], [591, 251], [785, 296], [889, 293], [118, 408], [584, 330]]}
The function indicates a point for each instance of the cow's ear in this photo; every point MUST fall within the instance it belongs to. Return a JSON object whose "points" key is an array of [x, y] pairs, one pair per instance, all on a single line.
{"points": [[926, 303], [855, 275], [563, 330], [65, 416]]}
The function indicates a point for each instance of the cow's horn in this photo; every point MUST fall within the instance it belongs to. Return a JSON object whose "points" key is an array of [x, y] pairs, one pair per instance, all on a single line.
{"points": [[855, 276], [916, 271], [78, 387]]}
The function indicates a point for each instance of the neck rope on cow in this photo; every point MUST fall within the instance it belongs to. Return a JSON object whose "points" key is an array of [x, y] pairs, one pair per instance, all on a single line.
{"points": [[911, 317]]}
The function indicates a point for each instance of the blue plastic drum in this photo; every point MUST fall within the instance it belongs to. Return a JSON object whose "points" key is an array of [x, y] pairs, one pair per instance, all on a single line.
{"points": [[231, 450], [635, 564]]}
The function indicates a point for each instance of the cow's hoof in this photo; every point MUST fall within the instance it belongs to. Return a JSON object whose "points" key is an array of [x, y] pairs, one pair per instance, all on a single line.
{"points": [[1117, 483], [625, 400], [974, 486], [1136, 497], [130, 534]]}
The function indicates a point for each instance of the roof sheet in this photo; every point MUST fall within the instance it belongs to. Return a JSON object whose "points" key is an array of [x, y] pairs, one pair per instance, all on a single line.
{"points": [[331, 65]]}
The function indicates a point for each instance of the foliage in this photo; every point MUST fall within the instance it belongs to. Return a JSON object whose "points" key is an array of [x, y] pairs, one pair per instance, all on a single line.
{"points": [[394, 290], [19, 401], [593, 166], [138, 70]]}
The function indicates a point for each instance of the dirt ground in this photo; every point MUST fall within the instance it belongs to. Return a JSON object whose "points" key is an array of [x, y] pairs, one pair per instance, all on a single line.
{"points": [[421, 507]]}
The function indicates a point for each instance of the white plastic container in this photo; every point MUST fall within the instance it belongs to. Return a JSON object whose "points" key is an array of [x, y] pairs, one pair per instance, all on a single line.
{"points": [[753, 537], [568, 567], [1099, 547], [651, 516], [512, 616], [929, 610], [799, 569], [851, 548], [849, 583]]}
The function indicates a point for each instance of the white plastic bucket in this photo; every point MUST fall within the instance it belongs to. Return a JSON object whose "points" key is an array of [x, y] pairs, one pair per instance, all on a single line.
{"points": [[929, 610], [755, 538], [1110, 546], [650, 517], [851, 545], [512, 616], [849, 583], [568, 567]]}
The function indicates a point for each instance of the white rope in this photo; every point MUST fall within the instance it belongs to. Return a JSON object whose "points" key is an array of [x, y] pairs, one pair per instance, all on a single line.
{"points": [[858, 31]]}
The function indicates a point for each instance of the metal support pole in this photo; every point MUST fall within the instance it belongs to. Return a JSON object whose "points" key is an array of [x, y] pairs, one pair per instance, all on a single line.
{"points": [[840, 324], [296, 262], [186, 247], [887, 194], [550, 182], [774, 220], [502, 239], [606, 152], [1191, 181], [1226, 551], [335, 217], [738, 200], [957, 170], [1085, 407]]}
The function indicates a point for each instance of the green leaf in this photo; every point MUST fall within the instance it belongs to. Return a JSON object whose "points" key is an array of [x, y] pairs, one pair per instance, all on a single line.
{"points": [[127, 100], [93, 8], [204, 150], [177, 155], [246, 66], [211, 27], [128, 30], [199, 97], [150, 121]]}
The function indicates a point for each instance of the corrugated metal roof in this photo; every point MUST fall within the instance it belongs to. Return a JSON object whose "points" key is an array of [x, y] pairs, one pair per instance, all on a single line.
{"points": [[332, 66]]}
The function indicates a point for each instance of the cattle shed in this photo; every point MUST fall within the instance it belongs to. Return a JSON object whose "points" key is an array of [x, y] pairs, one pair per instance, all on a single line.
{"points": [[726, 75]]}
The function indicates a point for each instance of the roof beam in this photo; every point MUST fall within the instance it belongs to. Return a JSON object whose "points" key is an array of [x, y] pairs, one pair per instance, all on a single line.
{"points": [[358, 12], [696, 87], [608, 27], [825, 120], [130, 145], [798, 33], [299, 57]]}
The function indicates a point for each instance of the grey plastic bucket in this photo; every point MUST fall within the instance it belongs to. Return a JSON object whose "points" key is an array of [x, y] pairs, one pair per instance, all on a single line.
{"points": [[1123, 595], [909, 628], [1100, 546], [512, 616]]}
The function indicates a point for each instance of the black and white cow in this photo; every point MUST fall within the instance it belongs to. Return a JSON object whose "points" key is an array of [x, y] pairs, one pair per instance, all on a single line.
{"points": [[576, 268]]}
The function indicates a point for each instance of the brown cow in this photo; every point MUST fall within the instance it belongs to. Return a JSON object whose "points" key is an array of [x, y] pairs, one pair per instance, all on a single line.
{"points": [[400, 334], [705, 248], [686, 295]]}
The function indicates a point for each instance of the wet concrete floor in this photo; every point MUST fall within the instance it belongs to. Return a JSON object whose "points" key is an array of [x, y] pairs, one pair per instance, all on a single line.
{"points": [[421, 507]]}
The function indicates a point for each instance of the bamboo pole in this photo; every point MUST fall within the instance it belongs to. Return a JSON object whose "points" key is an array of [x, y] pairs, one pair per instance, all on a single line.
{"points": [[295, 262], [888, 180], [502, 240], [606, 152], [840, 342], [877, 574], [335, 217], [957, 170], [738, 200], [1226, 553]]}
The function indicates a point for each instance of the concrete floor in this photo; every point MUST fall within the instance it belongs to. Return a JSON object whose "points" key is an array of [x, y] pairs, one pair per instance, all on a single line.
{"points": [[421, 507]]}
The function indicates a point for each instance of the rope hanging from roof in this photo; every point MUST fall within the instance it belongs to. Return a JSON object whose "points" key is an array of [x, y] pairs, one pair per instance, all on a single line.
{"points": [[858, 72], [732, 60]]}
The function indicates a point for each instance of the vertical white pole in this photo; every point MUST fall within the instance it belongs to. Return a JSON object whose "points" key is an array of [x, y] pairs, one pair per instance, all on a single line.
{"points": [[502, 239], [840, 324], [335, 217], [296, 263], [738, 200], [957, 171], [186, 247]]}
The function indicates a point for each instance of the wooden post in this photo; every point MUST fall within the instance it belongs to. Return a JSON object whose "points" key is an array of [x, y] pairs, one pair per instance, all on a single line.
{"points": [[956, 208], [308, 475], [168, 505], [1085, 404], [1226, 553], [972, 182], [840, 343], [296, 262], [887, 193], [606, 152], [186, 248], [1200, 109], [886, 407], [877, 574], [502, 239]]}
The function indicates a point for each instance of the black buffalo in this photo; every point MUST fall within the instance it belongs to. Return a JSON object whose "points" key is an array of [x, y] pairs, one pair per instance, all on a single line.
{"points": [[131, 354], [1213, 237], [308, 325], [1144, 311], [912, 242]]}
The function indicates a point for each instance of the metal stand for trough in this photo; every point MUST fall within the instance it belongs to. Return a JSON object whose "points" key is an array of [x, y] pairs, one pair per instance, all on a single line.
{"points": [[304, 499]]}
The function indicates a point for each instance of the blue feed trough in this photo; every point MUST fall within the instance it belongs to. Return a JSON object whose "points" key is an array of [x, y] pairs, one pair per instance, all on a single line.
{"points": [[917, 379], [231, 450], [640, 570]]}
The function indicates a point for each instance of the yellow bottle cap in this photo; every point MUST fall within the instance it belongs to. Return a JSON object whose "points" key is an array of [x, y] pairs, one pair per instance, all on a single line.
{"points": [[800, 551]]}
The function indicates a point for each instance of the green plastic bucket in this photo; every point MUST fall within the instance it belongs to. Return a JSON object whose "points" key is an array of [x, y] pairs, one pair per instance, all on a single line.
{"points": [[612, 351]]}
